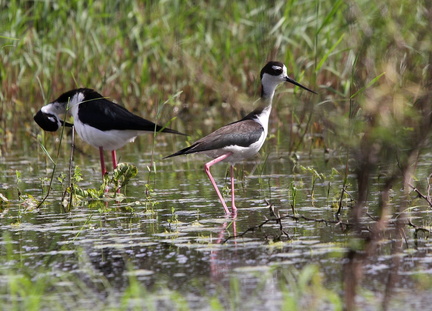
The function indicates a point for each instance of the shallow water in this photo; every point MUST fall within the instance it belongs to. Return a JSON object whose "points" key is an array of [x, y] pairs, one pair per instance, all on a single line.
{"points": [[170, 233]]}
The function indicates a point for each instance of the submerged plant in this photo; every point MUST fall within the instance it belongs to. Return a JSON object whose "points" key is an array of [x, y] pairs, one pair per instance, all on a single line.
{"points": [[121, 175], [110, 187], [315, 175]]}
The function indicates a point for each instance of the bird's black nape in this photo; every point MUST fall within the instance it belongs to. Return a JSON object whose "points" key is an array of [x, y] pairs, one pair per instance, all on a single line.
{"points": [[90, 94]]}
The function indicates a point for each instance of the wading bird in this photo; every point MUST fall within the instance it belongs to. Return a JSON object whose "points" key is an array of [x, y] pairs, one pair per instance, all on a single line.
{"points": [[98, 121], [242, 139]]}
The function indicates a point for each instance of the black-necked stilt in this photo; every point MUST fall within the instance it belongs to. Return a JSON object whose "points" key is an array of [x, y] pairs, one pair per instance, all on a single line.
{"points": [[242, 139], [98, 121]]}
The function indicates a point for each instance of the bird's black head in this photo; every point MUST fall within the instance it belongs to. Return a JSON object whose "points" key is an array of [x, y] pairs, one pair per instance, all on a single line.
{"points": [[274, 73], [49, 122], [272, 68]]}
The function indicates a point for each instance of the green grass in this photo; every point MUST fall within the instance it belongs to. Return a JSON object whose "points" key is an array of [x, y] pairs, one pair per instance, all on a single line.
{"points": [[143, 52]]}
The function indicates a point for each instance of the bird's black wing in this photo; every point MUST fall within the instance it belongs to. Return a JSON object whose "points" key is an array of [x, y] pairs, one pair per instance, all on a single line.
{"points": [[241, 133], [106, 115]]}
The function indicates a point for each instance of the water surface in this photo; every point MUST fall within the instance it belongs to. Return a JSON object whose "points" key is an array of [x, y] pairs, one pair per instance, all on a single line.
{"points": [[171, 236]]}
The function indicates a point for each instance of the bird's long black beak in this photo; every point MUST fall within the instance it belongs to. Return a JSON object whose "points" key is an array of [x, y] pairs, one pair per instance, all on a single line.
{"points": [[65, 123], [288, 79]]}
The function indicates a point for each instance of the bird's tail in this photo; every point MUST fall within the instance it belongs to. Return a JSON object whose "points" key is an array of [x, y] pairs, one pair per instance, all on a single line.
{"points": [[181, 152]]}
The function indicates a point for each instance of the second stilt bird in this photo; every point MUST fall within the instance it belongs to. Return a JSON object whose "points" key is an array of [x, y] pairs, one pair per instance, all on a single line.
{"points": [[242, 139], [97, 120]]}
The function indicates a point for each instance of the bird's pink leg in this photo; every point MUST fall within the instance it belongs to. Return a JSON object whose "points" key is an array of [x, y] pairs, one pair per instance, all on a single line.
{"points": [[233, 207], [114, 162], [207, 171], [102, 161], [114, 159]]}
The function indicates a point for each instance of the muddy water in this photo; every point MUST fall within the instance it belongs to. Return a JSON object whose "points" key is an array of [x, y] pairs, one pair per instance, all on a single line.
{"points": [[170, 234]]}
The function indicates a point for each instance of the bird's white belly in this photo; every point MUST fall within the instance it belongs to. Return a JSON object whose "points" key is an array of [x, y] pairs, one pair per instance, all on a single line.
{"points": [[238, 153], [108, 140]]}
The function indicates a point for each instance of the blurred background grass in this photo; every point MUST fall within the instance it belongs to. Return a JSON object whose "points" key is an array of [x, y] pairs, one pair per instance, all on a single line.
{"points": [[368, 60]]}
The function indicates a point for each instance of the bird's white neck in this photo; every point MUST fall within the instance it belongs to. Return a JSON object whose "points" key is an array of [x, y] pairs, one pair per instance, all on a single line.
{"points": [[268, 88], [74, 103], [263, 117]]}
